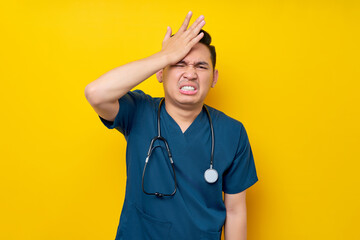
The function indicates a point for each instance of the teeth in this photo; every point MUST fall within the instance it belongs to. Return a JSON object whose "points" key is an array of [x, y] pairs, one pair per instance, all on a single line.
{"points": [[188, 88]]}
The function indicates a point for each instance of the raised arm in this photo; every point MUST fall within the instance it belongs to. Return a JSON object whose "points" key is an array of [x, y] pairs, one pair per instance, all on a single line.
{"points": [[104, 92]]}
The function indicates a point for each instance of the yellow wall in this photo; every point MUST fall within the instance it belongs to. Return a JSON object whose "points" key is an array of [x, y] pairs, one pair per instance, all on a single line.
{"points": [[289, 70]]}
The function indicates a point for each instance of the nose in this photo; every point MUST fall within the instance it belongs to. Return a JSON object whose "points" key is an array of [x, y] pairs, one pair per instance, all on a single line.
{"points": [[190, 73]]}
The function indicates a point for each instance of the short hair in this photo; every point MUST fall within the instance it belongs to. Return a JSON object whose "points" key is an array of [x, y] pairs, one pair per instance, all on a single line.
{"points": [[206, 40]]}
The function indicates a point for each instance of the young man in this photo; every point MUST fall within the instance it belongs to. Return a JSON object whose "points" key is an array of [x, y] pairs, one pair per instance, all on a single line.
{"points": [[178, 200]]}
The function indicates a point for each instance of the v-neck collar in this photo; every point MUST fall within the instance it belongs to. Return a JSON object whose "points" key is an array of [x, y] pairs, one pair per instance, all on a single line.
{"points": [[175, 126]]}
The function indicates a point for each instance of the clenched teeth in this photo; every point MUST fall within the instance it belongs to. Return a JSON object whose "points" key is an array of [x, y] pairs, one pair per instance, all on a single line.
{"points": [[188, 88]]}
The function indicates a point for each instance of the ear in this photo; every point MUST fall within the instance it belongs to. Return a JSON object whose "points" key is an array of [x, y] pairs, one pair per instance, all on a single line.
{"points": [[215, 78], [159, 75]]}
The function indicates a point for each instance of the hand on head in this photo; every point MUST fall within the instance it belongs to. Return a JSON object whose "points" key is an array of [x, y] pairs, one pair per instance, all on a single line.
{"points": [[179, 45]]}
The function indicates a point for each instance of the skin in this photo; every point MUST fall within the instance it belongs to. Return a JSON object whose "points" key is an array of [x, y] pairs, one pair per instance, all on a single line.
{"points": [[182, 60], [194, 70], [236, 216]]}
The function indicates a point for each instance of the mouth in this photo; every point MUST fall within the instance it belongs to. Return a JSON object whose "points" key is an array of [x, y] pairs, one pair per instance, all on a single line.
{"points": [[188, 89]]}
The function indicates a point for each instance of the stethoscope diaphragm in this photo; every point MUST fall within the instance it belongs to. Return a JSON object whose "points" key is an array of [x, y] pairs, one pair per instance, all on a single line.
{"points": [[211, 175]]}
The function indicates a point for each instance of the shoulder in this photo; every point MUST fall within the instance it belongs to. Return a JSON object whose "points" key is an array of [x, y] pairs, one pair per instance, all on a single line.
{"points": [[223, 121], [141, 98], [229, 131], [140, 95]]}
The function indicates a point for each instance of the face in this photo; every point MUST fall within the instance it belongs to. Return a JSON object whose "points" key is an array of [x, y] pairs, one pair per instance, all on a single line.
{"points": [[187, 83]]}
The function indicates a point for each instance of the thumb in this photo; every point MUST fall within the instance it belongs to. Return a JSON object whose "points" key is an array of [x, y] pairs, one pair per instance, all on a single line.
{"points": [[168, 34]]}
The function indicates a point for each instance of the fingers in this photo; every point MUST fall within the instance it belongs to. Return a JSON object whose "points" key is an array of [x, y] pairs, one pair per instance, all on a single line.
{"points": [[196, 39], [195, 28], [167, 34], [197, 25], [185, 23]]}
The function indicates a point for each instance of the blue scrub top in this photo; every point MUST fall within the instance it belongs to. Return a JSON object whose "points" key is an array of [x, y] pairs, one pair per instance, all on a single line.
{"points": [[197, 210]]}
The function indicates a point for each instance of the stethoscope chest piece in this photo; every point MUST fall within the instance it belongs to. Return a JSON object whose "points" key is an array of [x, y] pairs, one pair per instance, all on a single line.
{"points": [[211, 175]]}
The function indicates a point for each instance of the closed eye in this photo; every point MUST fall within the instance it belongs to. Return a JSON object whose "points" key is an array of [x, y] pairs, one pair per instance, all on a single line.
{"points": [[202, 66], [179, 65]]}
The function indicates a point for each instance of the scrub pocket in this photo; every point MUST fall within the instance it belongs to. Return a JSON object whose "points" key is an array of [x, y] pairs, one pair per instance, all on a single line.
{"points": [[139, 225], [210, 236]]}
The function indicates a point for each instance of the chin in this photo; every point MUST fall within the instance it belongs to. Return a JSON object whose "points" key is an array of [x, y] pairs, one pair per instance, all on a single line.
{"points": [[188, 100]]}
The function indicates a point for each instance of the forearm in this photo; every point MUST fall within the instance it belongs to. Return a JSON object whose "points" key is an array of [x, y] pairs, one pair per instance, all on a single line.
{"points": [[236, 225], [111, 86], [117, 82]]}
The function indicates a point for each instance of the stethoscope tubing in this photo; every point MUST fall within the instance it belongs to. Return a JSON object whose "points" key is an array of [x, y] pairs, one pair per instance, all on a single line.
{"points": [[159, 137]]}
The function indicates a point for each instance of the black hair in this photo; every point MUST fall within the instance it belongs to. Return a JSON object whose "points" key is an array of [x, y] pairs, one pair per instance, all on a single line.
{"points": [[206, 40]]}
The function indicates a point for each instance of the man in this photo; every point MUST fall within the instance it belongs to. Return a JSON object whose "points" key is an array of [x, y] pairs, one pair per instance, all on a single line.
{"points": [[175, 201]]}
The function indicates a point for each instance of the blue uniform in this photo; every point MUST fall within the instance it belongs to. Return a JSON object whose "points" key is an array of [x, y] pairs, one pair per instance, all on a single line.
{"points": [[197, 210]]}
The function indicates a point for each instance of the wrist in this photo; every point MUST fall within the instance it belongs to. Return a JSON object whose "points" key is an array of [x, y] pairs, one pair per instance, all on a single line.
{"points": [[163, 58]]}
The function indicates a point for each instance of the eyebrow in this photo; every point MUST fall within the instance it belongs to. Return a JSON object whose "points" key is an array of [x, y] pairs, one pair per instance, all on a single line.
{"points": [[196, 63]]}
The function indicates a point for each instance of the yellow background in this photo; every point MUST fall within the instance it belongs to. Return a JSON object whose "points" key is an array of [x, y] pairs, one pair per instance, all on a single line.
{"points": [[289, 70]]}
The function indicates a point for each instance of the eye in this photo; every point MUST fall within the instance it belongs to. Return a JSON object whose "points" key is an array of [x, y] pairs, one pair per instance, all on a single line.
{"points": [[179, 65], [202, 67]]}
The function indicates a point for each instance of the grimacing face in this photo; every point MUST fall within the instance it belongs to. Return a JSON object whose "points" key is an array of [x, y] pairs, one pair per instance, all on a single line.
{"points": [[187, 83]]}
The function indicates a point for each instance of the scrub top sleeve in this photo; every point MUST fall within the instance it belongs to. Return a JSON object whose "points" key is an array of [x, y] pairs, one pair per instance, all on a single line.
{"points": [[127, 109], [242, 172]]}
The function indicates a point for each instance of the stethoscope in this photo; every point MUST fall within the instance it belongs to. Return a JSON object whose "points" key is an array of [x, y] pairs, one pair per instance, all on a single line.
{"points": [[210, 175]]}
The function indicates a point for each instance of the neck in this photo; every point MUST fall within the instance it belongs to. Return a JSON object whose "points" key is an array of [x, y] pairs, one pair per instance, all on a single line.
{"points": [[183, 115]]}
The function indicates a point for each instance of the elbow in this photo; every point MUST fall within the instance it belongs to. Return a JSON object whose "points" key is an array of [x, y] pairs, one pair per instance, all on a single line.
{"points": [[236, 209], [92, 95], [236, 212]]}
